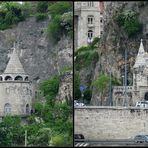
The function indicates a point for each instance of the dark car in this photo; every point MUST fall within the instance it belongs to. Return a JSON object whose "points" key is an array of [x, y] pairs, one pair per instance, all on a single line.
{"points": [[79, 137], [141, 139]]}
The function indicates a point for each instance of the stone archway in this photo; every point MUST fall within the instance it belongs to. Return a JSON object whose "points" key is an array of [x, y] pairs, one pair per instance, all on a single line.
{"points": [[146, 96]]}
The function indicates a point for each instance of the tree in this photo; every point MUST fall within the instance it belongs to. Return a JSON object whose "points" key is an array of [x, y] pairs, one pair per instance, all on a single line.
{"points": [[77, 93], [128, 20], [101, 83], [11, 131]]}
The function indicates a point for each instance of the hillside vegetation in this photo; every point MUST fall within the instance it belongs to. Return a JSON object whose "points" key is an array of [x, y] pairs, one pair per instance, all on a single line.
{"points": [[51, 122]]}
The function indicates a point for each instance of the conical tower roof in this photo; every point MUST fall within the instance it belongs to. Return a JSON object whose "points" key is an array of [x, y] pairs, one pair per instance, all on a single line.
{"points": [[140, 60], [14, 65]]}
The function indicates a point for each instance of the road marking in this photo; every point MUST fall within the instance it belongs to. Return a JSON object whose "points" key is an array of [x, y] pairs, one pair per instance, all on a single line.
{"points": [[81, 144], [77, 144], [86, 144]]}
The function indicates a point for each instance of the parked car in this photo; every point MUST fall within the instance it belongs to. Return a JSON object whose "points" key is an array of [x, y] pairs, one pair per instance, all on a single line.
{"points": [[142, 104], [141, 139], [79, 137], [78, 104]]}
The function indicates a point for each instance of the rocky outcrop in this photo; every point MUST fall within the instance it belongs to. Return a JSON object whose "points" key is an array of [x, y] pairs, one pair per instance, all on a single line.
{"points": [[115, 41], [40, 58], [65, 88]]}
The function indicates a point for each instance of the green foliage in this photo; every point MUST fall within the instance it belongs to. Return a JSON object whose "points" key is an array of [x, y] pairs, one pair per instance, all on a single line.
{"points": [[51, 86], [86, 55], [59, 8], [41, 9], [42, 6], [55, 29], [88, 95], [101, 82], [41, 138], [95, 43], [45, 124], [61, 23], [39, 108], [65, 68], [116, 81], [10, 14], [77, 93], [27, 9], [55, 115], [128, 20], [84, 59], [67, 21], [41, 16], [32, 132], [50, 89], [11, 131], [57, 141]]}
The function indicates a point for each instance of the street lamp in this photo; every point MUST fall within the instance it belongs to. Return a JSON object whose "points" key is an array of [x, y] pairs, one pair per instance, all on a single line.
{"points": [[25, 138], [125, 80], [123, 83], [110, 92]]}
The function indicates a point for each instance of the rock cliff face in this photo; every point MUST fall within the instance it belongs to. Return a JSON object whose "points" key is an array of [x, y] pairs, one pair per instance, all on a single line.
{"points": [[115, 41], [39, 57], [65, 89]]}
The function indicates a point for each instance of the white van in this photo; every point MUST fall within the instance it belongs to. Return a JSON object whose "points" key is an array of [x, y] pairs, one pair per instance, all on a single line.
{"points": [[142, 104]]}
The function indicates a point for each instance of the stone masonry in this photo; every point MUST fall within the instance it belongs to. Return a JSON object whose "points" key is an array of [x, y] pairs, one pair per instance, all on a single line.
{"points": [[88, 22], [16, 91], [110, 122]]}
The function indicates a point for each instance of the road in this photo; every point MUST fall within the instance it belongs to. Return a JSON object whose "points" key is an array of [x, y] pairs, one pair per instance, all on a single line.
{"points": [[109, 143]]}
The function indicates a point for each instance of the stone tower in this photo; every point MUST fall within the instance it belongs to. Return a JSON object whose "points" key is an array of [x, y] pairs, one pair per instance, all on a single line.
{"points": [[139, 90], [15, 88], [140, 76], [88, 22]]}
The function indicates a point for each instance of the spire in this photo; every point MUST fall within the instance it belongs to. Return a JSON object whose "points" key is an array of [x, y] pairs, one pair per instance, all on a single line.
{"points": [[101, 6], [140, 60], [14, 65]]}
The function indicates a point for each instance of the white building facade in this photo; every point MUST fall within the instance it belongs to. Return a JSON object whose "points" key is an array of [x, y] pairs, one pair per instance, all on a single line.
{"points": [[88, 22]]}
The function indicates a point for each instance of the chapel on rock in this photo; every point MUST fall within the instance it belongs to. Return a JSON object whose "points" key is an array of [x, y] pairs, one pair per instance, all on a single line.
{"points": [[16, 91]]}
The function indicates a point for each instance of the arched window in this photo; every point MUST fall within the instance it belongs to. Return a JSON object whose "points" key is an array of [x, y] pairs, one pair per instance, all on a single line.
{"points": [[90, 4], [1, 78], [8, 78], [27, 109], [7, 108], [101, 20], [26, 78], [18, 78], [90, 34], [90, 19]]}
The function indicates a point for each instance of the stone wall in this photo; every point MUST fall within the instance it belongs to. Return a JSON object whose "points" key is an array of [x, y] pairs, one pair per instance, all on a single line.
{"points": [[110, 122], [18, 95]]}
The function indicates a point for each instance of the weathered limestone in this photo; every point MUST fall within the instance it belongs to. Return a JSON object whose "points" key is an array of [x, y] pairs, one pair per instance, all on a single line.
{"points": [[66, 88]]}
